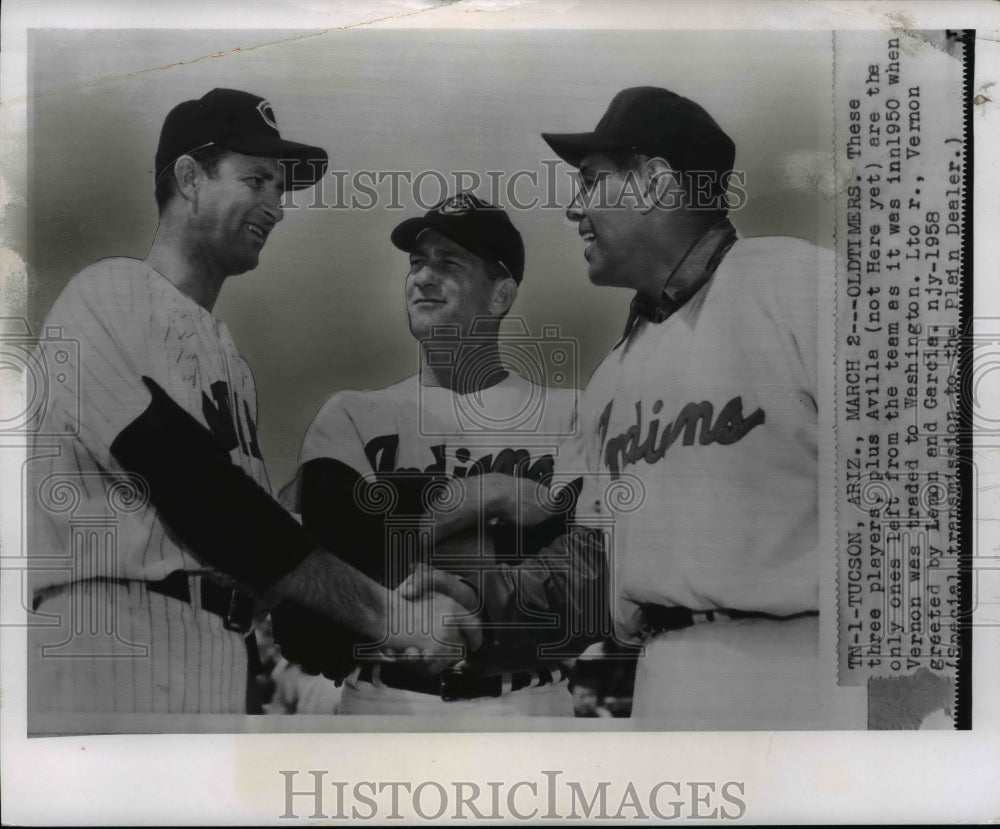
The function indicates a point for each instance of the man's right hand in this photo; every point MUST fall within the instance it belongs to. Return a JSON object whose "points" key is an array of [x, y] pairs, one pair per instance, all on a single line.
{"points": [[432, 632], [425, 581]]}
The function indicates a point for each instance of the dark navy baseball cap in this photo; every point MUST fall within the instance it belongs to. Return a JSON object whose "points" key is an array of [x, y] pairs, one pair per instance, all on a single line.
{"points": [[243, 123], [654, 122], [479, 227]]}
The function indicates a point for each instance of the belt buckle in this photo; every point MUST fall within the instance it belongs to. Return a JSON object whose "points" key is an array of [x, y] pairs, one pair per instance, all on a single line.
{"points": [[458, 683], [239, 617], [452, 680]]}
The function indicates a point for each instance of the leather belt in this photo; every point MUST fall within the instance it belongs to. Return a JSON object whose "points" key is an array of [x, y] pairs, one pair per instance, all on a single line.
{"points": [[455, 683], [662, 619], [233, 604]]}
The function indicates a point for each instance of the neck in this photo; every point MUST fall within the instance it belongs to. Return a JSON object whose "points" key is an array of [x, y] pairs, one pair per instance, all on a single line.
{"points": [[668, 251], [185, 266], [470, 368]]}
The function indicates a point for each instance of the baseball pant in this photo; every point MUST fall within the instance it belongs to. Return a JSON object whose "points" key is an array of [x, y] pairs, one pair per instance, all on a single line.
{"points": [[119, 648], [376, 698], [732, 675]]}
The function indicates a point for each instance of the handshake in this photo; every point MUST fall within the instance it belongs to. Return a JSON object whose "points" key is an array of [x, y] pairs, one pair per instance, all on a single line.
{"points": [[495, 615], [434, 621], [436, 617]]}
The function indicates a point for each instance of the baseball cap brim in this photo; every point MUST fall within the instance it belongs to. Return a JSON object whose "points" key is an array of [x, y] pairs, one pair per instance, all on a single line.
{"points": [[304, 164], [405, 234], [573, 147]]}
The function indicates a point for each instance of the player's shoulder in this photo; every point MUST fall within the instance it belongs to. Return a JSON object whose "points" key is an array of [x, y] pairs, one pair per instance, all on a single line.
{"points": [[110, 273], [776, 253], [120, 284], [99, 277], [109, 289], [356, 402], [782, 264]]}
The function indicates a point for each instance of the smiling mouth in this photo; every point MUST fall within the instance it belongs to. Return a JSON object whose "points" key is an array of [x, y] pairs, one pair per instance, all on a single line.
{"points": [[256, 230], [589, 238]]}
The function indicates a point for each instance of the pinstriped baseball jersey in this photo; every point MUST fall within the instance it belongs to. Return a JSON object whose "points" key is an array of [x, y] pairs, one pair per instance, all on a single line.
{"points": [[120, 648], [166, 657], [715, 410], [131, 322]]}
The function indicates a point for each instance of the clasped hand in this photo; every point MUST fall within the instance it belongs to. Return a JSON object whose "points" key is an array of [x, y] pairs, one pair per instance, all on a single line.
{"points": [[432, 621]]}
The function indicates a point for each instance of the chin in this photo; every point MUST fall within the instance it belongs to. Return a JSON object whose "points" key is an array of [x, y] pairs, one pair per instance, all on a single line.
{"points": [[596, 276], [244, 266], [420, 329]]}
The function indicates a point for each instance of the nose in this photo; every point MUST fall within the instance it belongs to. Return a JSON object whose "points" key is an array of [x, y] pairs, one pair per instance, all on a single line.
{"points": [[423, 276], [574, 212], [272, 203]]}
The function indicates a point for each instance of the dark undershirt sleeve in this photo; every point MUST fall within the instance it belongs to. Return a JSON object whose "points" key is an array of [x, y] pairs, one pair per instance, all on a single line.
{"points": [[339, 510], [218, 511]]}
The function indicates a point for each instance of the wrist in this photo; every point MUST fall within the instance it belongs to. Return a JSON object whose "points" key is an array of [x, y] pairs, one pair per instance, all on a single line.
{"points": [[374, 615]]}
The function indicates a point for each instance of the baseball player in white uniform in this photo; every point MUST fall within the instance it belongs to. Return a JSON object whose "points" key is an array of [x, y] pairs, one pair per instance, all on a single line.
{"points": [[156, 493], [710, 398], [464, 417]]}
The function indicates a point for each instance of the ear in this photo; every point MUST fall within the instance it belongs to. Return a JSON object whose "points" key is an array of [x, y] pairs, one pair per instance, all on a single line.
{"points": [[187, 174], [662, 185], [504, 295]]}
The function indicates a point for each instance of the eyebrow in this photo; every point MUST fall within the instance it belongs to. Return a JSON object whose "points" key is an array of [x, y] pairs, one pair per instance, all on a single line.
{"points": [[259, 170], [449, 250]]}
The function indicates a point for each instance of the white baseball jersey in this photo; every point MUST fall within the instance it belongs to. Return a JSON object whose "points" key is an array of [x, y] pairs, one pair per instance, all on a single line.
{"points": [[714, 410], [513, 427], [127, 321]]}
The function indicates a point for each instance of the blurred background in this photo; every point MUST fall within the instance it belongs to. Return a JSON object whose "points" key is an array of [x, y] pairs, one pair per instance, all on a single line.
{"points": [[324, 311]]}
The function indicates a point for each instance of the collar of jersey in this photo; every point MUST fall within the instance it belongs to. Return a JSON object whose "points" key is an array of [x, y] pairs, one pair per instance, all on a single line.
{"points": [[689, 275]]}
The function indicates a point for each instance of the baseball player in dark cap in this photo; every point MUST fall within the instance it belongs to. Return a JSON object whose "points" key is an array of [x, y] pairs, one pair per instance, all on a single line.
{"points": [[464, 421], [165, 452], [710, 398]]}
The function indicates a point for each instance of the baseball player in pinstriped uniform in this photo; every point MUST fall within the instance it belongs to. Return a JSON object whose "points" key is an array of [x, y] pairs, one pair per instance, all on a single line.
{"points": [[465, 417], [167, 441]]}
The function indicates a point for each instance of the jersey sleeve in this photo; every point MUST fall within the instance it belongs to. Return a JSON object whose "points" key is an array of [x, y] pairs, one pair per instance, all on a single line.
{"points": [[576, 464], [332, 435], [326, 491], [800, 268], [123, 331]]}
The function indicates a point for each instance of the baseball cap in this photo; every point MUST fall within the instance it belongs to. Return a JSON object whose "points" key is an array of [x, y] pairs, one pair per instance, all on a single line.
{"points": [[243, 123], [477, 226], [654, 122]]}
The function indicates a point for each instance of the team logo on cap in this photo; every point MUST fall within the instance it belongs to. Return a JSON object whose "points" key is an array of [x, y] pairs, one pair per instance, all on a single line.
{"points": [[264, 108], [457, 205]]}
